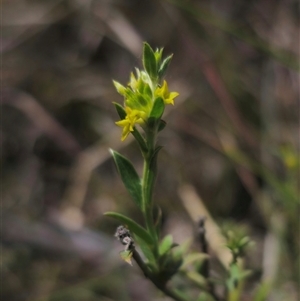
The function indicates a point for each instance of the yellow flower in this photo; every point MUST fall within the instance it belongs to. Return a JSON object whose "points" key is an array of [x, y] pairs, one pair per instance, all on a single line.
{"points": [[132, 117], [166, 95]]}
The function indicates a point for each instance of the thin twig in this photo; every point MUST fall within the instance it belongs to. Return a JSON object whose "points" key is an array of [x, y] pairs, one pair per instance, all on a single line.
{"points": [[205, 268]]}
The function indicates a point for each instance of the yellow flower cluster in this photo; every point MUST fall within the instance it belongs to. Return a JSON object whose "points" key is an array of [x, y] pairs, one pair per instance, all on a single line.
{"points": [[138, 107]]}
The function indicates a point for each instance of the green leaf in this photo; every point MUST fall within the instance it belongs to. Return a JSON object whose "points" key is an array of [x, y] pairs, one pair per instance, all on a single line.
{"points": [[244, 242], [162, 125], [158, 55], [182, 248], [132, 226], [192, 258], [120, 88], [126, 256], [140, 139], [151, 122], [146, 251], [120, 110], [262, 291], [158, 108], [237, 274], [129, 177], [149, 61], [197, 278], [164, 66], [165, 245], [170, 267], [204, 296]]}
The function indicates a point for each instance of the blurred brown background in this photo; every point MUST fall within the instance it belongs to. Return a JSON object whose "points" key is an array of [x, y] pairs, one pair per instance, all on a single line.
{"points": [[232, 137]]}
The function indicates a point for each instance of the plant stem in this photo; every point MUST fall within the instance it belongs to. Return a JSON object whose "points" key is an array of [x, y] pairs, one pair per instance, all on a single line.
{"points": [[174, 294], [149, 175], [205, 269]]}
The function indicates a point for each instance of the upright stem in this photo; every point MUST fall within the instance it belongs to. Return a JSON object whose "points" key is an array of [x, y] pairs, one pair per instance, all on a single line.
{"points": [[149, 175], [147, 198]]}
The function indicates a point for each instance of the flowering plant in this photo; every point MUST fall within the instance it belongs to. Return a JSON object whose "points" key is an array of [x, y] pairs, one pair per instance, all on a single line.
{"points": [[145, 98]]}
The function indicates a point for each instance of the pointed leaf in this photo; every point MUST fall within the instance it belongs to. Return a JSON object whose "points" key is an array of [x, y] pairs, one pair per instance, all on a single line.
{"points": [[120, 110], [192, 258], [164, 66], [262, 291], [158, 108], [149, 61], [146, 251], [158, 55], [162, 125], [182, 248], [129, 177], [166, 245], [120, 88], [204, 296], [197, 278], [132, 226], [140, 139], [126, 256]]}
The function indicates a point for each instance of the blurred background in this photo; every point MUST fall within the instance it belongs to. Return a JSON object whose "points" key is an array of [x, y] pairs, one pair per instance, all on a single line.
{"points": [[231, 147]]}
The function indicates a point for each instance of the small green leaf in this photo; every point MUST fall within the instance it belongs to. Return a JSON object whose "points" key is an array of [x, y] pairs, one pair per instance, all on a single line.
{"points": [[244, 242], [198, 279], [164, 66], [120, 110], [162, 125], [120, 88], [149, 61], [262, 291], [193, 258], [126, 256], [182, 248], [132, 226], [129, 177], [140, 139], [158, 55], [237, 274], [165, 245], [204, 296], [158, 108], [146, 251]]}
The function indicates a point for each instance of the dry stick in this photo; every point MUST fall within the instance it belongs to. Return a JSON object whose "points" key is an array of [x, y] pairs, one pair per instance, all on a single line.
{"points": [[195, 207], [204, 269], [204, 247], [162, 287]]}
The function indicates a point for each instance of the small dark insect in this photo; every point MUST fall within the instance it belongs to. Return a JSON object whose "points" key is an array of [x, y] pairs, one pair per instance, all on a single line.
{"points": [[125, 238]]}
